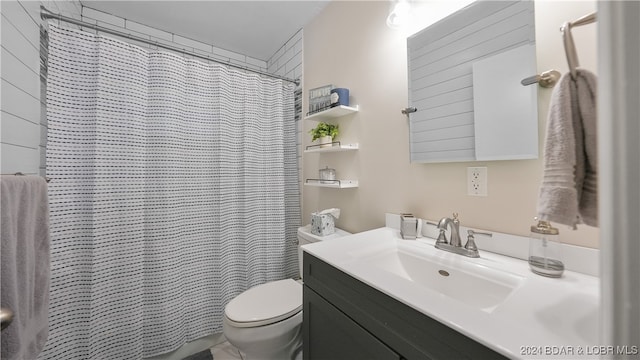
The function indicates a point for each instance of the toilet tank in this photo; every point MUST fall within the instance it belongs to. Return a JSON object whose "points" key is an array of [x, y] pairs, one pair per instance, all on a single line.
{"points": [[306, 237]]}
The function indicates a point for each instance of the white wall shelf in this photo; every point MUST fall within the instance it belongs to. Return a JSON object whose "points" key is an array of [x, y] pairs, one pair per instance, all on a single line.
{"points": [[335, 184], [332, 113], [329, 114], [335, 148]]}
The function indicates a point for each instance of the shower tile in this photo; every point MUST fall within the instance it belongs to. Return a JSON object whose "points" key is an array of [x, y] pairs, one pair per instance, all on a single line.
{"points": [[192, 43], [102, 16], [148, 30]]}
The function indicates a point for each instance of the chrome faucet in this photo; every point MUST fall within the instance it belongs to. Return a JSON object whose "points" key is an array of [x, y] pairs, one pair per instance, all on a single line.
{"points": [[455, 245]]}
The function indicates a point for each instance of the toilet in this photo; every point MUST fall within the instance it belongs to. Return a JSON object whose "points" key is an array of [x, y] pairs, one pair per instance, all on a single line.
{"points": [[265, 321]]}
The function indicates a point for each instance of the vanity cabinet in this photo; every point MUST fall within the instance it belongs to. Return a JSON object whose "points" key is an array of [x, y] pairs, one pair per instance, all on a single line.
{"points": [[333, 335], [334, 113], [346, 319]]}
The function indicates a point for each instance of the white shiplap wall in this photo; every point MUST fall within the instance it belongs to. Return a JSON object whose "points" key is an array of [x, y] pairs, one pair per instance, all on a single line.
{"points": [[22, 127]]}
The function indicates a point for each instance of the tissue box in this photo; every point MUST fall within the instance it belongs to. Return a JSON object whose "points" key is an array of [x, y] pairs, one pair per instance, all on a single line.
{"points": [[322, 224]]}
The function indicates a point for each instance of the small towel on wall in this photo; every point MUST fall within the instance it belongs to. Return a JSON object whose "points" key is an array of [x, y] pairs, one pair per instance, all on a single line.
{"points": [[569, 191], [25, 265]]}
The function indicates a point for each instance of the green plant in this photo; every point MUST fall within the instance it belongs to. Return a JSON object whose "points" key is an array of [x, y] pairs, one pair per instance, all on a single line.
{"points": [[324, 129]]}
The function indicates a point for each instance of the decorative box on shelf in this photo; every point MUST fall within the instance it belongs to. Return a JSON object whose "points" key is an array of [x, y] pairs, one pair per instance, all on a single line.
{"points": [[319, 99]]}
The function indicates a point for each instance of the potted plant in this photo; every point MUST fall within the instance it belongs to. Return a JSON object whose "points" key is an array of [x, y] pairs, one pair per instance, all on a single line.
{"points": [[325, 132]]}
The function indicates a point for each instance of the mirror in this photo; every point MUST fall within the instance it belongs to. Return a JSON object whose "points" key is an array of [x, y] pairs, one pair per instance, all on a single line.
{"points": [[464, 81]]}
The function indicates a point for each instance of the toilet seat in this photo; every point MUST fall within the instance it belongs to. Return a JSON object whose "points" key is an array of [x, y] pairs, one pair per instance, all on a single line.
{"points": [[265, 304]]}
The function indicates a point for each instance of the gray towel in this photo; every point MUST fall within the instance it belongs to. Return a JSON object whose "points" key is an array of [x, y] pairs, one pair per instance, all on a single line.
{"points": [[25, 265], [569, 191]]}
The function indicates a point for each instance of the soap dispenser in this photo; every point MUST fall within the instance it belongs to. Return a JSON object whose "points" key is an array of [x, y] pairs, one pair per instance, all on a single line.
{"points": [[545, 256]]}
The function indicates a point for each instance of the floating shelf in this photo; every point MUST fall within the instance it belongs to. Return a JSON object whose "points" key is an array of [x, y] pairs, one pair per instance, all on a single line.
{"points": [[334, 148], [332, 113], [335, 184]]}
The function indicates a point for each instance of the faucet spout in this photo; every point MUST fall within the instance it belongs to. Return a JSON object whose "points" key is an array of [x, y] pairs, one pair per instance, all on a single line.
{"points": [[454, 224], [444, 222]]}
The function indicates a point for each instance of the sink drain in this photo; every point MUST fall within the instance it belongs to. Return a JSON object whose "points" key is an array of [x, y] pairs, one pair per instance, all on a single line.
{"points": [[443, 272]]}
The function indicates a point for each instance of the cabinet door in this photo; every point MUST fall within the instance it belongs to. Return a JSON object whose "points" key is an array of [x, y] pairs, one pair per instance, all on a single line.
{"points": [[330, 334]]}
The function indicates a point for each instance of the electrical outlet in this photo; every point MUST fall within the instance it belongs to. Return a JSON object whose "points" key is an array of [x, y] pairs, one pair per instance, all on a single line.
{"points": [[477, 181]]}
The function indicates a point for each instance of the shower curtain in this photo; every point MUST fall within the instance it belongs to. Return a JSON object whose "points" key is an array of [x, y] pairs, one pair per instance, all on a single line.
{"points": [[174, 189]]}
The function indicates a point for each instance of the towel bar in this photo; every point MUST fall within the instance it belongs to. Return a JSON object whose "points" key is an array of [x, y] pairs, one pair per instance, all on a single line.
{"points": [[47, 179]]}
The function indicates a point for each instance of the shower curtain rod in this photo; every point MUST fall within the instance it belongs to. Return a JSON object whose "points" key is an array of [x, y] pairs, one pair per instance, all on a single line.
{"points": [[46, 14]]}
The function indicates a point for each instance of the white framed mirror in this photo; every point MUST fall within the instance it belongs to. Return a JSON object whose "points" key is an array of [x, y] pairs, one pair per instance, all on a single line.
{"points": [[464, 80]]}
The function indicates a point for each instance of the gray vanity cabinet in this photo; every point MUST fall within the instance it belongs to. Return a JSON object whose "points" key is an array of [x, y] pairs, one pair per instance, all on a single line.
{"points": [[333, 335], [347, 319]]}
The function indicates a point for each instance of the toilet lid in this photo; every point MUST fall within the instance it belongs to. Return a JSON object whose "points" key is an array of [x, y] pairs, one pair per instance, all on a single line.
{"points": [[265, 304]]}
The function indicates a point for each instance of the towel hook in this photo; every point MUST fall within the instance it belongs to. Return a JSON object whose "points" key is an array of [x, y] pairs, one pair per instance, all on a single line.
{"points": [[408, 110]]}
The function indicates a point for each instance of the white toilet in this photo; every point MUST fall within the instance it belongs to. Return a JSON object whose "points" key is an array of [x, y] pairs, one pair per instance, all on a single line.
{"points": [[265, 322]]}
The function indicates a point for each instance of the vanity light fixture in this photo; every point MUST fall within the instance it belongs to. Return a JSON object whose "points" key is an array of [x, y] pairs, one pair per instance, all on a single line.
{"points": [[399, 15]]}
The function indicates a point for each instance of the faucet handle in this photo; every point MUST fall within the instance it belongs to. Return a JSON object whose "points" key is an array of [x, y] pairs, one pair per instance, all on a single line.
{"points": [[471, 243]]}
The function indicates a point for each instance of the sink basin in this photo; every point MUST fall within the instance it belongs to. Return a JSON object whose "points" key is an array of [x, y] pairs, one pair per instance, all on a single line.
{"points": [[474, 284]]}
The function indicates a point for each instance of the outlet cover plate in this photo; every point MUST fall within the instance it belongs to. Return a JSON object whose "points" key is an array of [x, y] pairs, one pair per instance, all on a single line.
{"points": [[477, 181]]}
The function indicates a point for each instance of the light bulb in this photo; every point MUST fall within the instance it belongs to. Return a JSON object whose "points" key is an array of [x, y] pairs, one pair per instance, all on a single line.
{"points": [[398, 16]]}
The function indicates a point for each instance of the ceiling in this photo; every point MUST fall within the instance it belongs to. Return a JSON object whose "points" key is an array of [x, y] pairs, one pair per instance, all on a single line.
{"points": [[254, 28]]}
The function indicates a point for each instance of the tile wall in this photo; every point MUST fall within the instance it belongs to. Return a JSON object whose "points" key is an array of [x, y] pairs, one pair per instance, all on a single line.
{"points": [[23, 127], [287, 61]]}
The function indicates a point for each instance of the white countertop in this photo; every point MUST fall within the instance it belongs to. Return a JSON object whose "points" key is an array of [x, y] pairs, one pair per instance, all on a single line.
{"points": [[542, 318]]}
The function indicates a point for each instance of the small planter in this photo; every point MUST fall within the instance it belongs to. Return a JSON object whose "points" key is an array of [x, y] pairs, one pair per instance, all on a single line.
{"points": [[326, 141], [325, 133]]}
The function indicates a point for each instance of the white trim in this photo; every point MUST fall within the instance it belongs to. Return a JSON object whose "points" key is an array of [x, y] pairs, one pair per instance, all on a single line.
{"points": [[619, 151]]}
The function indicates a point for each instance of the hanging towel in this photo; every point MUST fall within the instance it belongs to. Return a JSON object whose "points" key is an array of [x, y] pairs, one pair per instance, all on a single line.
{"points": [[569, 191], [25, 265]]}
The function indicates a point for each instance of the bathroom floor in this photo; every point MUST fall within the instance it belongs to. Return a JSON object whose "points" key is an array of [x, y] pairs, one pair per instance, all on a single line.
{"points": [[226, 351]]}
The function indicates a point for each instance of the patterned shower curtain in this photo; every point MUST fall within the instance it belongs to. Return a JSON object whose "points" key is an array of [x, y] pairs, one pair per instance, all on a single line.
{"points": [[174, 189]]}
